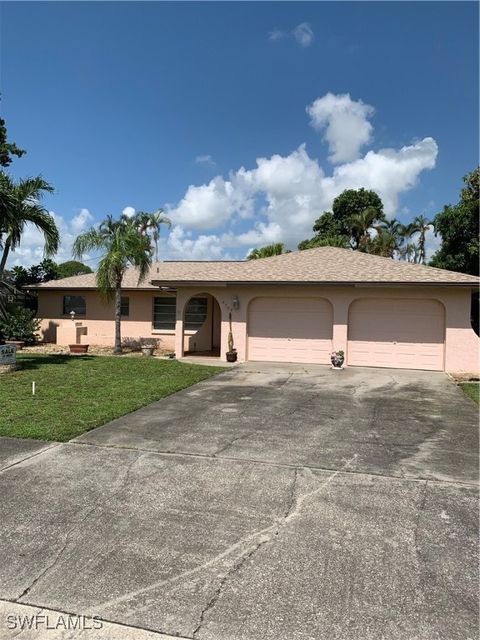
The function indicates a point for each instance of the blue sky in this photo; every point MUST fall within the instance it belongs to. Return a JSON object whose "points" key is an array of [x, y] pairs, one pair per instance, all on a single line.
{"points": [[142, 105]]}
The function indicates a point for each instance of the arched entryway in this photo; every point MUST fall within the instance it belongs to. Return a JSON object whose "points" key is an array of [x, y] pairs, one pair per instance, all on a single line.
{"points": [[202, 326]]}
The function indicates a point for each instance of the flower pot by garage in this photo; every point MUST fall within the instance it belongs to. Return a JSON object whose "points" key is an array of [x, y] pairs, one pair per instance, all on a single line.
{"points": [[78, 348], [231, 356], [147, 350], [337, 359], [18, 343]]}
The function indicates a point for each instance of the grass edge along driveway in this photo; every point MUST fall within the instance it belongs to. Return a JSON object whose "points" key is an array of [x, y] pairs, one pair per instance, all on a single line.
{"points": [[472, 390], [77, 393]]}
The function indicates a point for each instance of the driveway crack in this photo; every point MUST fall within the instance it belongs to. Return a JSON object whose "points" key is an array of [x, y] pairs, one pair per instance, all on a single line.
{"points": [[239, 564], [70, 532], [245, 547]]}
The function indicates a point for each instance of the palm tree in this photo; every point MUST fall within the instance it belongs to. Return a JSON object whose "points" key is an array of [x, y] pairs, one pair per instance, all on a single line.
{"points": [[360, 225], [421, 225], [150, 222], [392, 235], [270, 250], [384, 244], [20, 203], [410, 252], [122, 245]]}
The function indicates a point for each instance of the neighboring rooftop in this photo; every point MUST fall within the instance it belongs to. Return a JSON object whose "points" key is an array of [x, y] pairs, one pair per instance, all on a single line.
{"points": [[322, 265]]}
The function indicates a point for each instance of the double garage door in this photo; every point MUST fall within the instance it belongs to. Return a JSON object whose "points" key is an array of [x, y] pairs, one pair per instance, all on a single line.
{"points": [[381, 332]]}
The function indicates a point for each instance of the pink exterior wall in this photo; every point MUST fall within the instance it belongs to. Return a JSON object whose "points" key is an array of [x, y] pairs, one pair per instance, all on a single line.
{"points": [[461, 343], [99, 321]]}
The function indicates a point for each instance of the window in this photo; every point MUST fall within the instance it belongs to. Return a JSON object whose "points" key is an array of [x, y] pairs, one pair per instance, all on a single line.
{"points": [[164, 313], [74, 303], [195, 313], [125, 307]]}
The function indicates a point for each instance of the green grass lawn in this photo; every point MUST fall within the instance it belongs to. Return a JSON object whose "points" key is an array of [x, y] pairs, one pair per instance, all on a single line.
{"points": [[77, 393], [472, 390]]}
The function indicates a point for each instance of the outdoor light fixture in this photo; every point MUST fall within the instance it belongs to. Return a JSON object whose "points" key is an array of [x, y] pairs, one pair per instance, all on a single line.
{"points": [[72, 314], [236, 303]]}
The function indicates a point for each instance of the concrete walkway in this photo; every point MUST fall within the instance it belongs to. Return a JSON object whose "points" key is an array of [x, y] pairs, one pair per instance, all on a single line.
{"points": [[269, 502]]}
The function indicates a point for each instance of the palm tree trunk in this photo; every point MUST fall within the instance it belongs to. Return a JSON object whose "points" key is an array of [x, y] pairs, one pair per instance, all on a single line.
{"points": [[118, 317], [421, 246], [6, 251]]}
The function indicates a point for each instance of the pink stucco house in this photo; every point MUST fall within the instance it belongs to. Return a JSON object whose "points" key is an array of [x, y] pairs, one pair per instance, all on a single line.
{"points": [[296, 307]]}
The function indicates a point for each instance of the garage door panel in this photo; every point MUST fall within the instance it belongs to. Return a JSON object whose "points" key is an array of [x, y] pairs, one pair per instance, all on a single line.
{"points": [[406, 334], [290, 330]]}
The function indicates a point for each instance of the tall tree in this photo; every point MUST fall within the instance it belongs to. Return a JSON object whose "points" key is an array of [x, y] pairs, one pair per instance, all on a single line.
{"points": [[149, 224], [325, 241], [361, 225], [458, 226], [343, 225], [353, 202], [420, 225], [391, 236], [23, 205], [7, 149], [268, 251], [72, 268], [122, 245], [383, 244]]}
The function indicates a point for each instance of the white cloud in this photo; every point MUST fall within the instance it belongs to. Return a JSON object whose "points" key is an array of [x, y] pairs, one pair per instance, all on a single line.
{"points": [[345, 124], [432, 243], [129, 212], [182, 246], [303, 34], [206, 206], [277, 200], [388, 172], [276, 34], [206, 159], [296, 191], [31, 247], [81, 221]]}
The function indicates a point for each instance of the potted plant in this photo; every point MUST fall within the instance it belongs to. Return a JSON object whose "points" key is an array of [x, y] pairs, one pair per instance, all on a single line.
{"points": [[148, 347], [337, 359], [78, 348], [232, 352]]}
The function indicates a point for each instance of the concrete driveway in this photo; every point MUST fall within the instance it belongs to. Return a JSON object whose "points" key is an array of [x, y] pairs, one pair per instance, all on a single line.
{"points": [[269, 502]]}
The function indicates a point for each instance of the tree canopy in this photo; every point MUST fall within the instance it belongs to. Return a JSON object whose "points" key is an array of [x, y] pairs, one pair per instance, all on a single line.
{"points": [[268, 251], [20, 203], [46, 270], [122, 244], [354, 213], [458, 226], [7, 149], [71, 268], [357, 221]]}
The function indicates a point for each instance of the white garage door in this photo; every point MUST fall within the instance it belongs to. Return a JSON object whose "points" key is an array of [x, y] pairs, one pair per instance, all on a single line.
{"points": [[403, 334], [290, 330]]}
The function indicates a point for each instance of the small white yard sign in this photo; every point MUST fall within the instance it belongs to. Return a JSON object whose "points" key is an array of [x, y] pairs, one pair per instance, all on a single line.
{"points": [[8, 354]]}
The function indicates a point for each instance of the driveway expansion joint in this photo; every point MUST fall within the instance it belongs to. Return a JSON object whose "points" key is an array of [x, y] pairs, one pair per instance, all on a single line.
{"points": [[268, 463], [161, 634], [33, 455]]}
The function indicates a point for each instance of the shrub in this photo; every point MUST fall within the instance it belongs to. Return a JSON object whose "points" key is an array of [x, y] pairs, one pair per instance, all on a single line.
{"points": [[135, 344], [20, 324]]}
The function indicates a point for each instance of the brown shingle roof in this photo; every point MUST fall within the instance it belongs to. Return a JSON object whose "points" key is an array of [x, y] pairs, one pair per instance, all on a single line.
{"points": [[327, 265]]}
